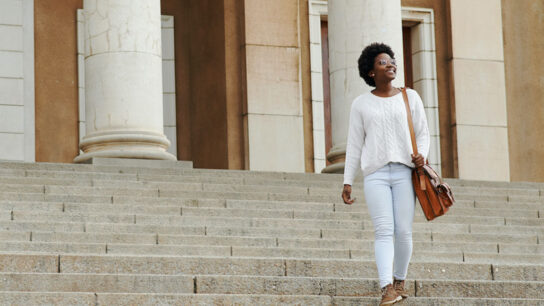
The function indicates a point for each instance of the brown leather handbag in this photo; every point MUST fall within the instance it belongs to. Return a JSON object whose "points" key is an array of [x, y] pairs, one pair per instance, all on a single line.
{"points": [[433, 194]]}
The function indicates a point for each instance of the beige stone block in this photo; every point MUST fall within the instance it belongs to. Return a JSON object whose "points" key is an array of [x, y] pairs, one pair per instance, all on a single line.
{"points": [[427, 91], [480, 97], [319, 144], [318, 116], [272, 23], [273, 84], [434, 150], [12, 118], [11, 12], [316, 60], [483, 153], [423, 37], [48, 298], [476, 29], [12, 38], [28, 263], [424, 67], [317, 86], [11, 64], [315, 29], [12, 147], [11, 91], [432, 120], [276, 143]]}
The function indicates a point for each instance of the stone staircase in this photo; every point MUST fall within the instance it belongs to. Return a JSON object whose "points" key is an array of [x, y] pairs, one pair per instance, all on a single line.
{"points": [[148, 233]]}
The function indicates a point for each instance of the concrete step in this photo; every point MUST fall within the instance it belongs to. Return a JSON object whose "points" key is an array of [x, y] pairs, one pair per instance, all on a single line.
{"points": [[63, 282], [245, 209], [259, 228], [365, 287], [70, 298], [53, 247], [519, 258], [48, 298], [256, 266], [42, 226], [238, 246], [508, 205], [197, 236]]}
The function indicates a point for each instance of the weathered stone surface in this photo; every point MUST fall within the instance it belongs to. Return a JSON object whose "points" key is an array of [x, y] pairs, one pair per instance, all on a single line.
{"points": [[426, 301], [94, 237], [52, 247], [41, 226], [504, 258], [31, 206], [241, 204], [61, 282], [47, 298], [518, 272], [167, 250], [102, 191], [144, 229], [481, 289], [367, 269], [218, 240], [72, 217], [119, 264], [210, 299], [288, 285], [28, 263]]}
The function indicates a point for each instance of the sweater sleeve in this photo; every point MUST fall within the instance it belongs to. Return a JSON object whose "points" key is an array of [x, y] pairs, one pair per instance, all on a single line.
{"points": [[356, 138], [421, 128]]}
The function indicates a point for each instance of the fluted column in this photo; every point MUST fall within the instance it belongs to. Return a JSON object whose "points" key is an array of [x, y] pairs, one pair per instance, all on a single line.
{"points": [[123, 80], [354, 24]]}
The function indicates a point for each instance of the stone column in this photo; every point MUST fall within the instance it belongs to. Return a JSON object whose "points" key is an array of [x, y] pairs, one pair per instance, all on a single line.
{"points": [[354, 24], [123, 80]]}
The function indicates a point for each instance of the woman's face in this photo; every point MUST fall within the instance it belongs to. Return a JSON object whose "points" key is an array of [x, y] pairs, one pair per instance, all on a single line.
{"points": [[385, 68]]}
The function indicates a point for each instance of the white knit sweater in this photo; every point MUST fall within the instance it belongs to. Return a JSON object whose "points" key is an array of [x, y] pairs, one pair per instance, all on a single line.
{"points": [[379, 133]]}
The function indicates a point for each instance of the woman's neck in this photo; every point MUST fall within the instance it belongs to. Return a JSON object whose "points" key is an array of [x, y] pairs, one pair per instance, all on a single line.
{"points": [[385, 90]]}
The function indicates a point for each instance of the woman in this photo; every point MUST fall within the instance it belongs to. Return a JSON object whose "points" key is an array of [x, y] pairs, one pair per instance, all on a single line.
{"points": [[379, 143]]}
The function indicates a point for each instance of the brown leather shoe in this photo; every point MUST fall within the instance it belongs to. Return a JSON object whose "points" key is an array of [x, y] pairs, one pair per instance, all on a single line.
{"points": [[389, 295], [399, 287]]}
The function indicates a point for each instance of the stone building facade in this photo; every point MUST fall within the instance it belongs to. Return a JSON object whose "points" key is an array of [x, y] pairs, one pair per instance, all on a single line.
{"points": [[267, 84]]}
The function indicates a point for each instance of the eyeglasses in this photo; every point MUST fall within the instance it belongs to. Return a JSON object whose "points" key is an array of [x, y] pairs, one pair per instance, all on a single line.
{"points": [[384, 62]]}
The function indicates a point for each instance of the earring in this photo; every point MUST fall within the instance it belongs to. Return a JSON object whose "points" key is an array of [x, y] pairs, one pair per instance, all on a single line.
{"points": [[372, 75]]}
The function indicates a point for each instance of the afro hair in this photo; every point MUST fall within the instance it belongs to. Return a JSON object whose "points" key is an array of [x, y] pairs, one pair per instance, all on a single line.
{"points": [[367, 58]]}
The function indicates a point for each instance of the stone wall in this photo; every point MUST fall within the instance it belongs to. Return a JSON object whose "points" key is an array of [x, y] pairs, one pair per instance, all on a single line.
{"points": [[523, 25], [16, 80]]}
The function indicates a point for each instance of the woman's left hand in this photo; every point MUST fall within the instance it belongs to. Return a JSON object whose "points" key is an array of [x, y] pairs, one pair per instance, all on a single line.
{"points": [[418, 160]]}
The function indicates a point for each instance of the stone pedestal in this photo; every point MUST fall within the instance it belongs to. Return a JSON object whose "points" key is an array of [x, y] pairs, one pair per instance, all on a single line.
{"points": [[123, 81], [354, 24]]}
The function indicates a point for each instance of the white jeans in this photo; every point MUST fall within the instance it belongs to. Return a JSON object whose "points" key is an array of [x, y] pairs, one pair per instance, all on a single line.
{"points": [[390, 198]]}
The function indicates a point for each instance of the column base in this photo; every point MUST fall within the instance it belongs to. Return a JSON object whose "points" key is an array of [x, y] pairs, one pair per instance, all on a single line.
{"points": [[337, 157], [144, 145]]}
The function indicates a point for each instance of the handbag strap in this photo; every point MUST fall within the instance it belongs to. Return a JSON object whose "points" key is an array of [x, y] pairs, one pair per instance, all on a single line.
{"points": [[410, 122], [419, 170]]}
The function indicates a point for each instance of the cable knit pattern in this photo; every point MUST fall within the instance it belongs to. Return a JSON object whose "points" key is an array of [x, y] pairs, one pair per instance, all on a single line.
{"points": [[378, 133]]}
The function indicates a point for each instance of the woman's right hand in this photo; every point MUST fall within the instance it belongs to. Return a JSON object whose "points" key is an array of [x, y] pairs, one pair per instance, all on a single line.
{"points": [[346, 195]]}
